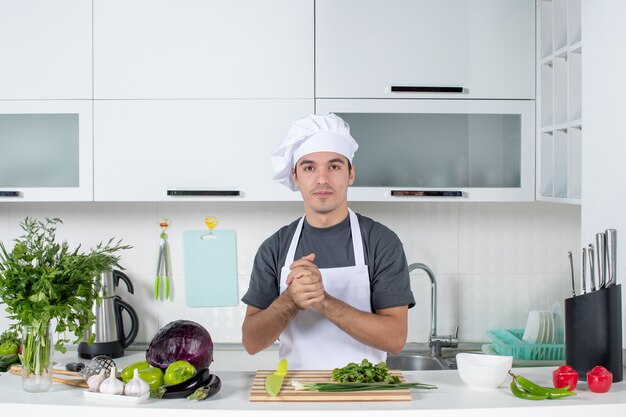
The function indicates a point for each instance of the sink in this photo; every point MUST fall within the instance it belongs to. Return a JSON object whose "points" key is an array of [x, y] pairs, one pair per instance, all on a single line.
{"points": [[416, 363]]}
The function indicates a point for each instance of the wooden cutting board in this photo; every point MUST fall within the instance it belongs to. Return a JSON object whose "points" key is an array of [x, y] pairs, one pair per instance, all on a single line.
{"points": [[77, 381], [289, 394]]}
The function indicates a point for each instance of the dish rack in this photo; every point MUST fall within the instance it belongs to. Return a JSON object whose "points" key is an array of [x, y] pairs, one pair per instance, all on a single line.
{"points": [[508, 342]]}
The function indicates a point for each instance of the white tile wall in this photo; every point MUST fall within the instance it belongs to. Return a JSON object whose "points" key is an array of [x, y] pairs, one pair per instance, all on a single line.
{"points": [[493, 261]]}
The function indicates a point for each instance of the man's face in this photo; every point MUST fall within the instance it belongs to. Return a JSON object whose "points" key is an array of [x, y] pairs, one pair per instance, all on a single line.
{"points": [[323, 179]]}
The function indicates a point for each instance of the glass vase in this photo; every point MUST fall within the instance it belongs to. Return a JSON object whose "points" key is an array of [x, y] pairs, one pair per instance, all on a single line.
{"points": [[37, 357]]}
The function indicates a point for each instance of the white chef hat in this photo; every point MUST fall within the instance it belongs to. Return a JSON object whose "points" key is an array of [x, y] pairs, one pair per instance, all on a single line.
{"points": [[314, 133]]}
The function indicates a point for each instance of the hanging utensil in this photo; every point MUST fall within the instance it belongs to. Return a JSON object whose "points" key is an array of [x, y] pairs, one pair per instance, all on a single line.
{"points": [[592, 271], [163, 265], [571, 270], [601, 259], [611, 251]]}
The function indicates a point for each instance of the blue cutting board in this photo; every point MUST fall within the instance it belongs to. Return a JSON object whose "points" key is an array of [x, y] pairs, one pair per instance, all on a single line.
{"points": [[210, 268]]}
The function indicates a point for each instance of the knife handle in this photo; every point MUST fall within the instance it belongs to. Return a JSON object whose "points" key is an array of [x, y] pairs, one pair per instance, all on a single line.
{"points": [[592, 271], [601, 259], [611, 258], [583, 272]]}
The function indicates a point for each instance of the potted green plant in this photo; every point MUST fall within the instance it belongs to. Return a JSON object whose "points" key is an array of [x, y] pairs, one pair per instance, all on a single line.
{"points": [[44, 283]]}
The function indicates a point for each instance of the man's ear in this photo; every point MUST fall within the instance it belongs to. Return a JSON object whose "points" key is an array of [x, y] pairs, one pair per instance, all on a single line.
{"points": [[352, 175], [294, 177]]}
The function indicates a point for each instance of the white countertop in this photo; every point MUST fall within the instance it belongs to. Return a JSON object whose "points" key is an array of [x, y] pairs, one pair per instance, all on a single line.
{"points": [[452, 397]]}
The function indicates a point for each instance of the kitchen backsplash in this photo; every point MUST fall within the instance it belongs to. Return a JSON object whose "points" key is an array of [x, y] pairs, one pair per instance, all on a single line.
{"points": [[493, 261]]}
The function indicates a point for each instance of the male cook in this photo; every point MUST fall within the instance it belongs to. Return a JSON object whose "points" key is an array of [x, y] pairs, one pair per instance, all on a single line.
{"points": [[333, 286]]}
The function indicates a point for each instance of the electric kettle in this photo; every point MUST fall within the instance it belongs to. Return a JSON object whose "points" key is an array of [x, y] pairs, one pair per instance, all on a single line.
{"points": [[110, 336]]}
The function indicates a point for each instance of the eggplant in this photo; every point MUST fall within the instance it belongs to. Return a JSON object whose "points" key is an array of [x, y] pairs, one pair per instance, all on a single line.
{"points": [[185, 388], [210, 389]]}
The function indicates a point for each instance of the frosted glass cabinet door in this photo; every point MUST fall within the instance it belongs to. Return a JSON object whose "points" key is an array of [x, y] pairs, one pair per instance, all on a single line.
{"points": [[364, 47], [197, 150], [46, 150], [45, 49], [164, 49], [412, 150]]}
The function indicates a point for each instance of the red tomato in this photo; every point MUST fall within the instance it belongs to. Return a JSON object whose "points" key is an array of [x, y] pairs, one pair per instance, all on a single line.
{"points": [[599, 379], [565, 375]]}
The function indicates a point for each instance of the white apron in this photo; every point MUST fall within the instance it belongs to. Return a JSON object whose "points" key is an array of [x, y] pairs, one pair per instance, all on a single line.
{"points": [[310, 341]]}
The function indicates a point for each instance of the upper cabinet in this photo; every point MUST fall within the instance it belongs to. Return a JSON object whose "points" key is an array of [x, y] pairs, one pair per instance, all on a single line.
{"points": [[46, 150], [465, 49], [559, 98], [454, 150], [46, 49], [189, 49], [190, 150]]}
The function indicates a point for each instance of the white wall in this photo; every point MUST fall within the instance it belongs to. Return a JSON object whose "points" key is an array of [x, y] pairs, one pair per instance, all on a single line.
{"points": [[604, 112], [494, 262]]}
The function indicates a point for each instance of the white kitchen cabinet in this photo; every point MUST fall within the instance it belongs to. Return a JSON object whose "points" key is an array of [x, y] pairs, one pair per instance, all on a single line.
{"points": [[46, 150], [440, 150], [169, 49], [198, 150], [485, 48], [559, 101], [45, 49]]}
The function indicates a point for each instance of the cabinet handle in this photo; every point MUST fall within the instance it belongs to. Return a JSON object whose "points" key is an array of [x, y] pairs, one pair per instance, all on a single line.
{"points": [[424, 89], [203, 193], [11, 194], [417, 193]]}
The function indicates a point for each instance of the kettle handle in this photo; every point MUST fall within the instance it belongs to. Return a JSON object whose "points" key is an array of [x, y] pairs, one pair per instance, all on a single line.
{"points": [[119, 275], [120, 305]]}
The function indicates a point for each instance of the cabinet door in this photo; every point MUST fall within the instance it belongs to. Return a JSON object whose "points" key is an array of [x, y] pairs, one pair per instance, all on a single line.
{"points": [[420, 150], [203, 49], [196, 149], [486, 47], [46, 49], [46, 150]]}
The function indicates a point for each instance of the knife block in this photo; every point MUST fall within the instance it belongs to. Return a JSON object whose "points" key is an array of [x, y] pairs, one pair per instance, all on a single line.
{"points": [[593, 331]]}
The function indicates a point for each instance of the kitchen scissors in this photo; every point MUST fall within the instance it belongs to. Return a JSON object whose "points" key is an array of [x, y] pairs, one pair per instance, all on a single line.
{"points": [[163, 265]]}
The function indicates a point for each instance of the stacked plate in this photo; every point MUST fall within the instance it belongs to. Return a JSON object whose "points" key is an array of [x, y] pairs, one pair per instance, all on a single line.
{"points": [[540, 328]]}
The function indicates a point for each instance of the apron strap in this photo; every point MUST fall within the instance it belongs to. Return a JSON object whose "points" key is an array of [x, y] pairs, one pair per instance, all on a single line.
{"points": [[357, 240], [294, 243]]}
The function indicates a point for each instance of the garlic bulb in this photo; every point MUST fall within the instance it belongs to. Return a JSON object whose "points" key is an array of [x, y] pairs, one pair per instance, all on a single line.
{"points": [[94, 381], [112, 385], [136, 387]]}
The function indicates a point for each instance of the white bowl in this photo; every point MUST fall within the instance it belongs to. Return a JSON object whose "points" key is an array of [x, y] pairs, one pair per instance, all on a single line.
{"points": [[483, 371]]}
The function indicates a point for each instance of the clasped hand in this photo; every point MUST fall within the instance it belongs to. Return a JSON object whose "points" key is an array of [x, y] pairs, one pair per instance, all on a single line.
{"points": [[304, 283]]}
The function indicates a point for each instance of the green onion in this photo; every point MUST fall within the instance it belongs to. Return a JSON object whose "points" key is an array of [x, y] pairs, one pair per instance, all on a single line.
{"points": [[356, 386]]}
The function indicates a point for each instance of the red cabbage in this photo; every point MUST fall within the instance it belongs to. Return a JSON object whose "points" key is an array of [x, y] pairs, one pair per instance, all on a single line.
{"points": [[181, 340]]}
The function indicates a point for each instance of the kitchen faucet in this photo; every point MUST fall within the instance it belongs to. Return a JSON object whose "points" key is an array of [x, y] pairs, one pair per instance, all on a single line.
{"points": [[435, 341]]}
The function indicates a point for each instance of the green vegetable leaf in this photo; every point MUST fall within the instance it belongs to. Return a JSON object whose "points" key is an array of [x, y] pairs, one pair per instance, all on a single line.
{"points": [[43, 280], [365, 372]]}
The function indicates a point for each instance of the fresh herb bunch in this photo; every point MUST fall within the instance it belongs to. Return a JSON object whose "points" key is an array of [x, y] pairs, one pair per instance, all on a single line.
{"points": [[9, 336], [365, 372], [42, 280]]}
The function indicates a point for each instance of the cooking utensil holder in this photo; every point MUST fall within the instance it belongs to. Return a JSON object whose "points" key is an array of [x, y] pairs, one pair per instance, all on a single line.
{"points": [[593, 331]]}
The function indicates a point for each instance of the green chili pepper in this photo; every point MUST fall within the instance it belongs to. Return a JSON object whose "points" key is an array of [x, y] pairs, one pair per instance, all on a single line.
{"points": [[523, 394], [524, 388]]}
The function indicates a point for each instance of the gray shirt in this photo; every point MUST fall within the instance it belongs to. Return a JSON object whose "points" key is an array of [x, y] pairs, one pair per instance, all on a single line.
{"points": [[384, 257]]}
